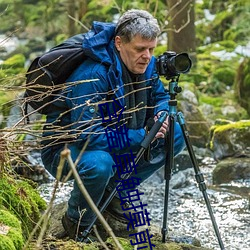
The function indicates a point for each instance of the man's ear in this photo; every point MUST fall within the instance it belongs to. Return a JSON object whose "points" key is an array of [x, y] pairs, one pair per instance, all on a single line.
{"points": [[118, 43]]}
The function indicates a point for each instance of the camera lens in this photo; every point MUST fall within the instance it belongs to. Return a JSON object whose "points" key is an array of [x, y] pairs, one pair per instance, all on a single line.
{"points": [[182, 63]]}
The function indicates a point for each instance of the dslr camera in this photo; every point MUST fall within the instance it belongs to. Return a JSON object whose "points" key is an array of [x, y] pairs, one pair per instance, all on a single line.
{"points": [[171, 65]]}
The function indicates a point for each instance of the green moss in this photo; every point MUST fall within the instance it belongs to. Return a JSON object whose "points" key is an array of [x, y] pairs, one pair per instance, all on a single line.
{"points": [[225, 75], [16, 61], [125, 243], [16, 237], [21, 199], [239, 128], [228, 45], [235, 125], [13, 71], [9, 219], [242, 84], [6, 243], [212, 100], [13, 238]]}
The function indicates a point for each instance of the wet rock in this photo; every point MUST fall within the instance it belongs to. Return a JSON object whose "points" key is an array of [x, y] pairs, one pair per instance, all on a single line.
{"points": [[231, 169]]}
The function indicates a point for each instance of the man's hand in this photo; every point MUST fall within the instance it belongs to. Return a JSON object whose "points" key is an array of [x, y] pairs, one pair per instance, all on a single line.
{"points": [[163, 129]]}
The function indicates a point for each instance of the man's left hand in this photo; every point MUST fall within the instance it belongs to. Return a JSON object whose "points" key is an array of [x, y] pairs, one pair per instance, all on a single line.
{"points": [[163, 129]]}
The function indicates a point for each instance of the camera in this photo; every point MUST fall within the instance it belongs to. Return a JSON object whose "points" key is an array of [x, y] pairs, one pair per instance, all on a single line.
{"points": [[171, 65]]}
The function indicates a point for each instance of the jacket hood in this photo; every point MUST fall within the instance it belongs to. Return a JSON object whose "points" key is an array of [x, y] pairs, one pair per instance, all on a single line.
{"points": [[98, 43]]}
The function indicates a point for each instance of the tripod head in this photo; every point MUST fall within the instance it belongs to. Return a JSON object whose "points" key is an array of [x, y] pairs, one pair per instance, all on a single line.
{"points": [[174, 89]]}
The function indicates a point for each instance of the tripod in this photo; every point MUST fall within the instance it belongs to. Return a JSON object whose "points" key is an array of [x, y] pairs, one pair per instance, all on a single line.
{"points": [[173, 90], [144, 146]]}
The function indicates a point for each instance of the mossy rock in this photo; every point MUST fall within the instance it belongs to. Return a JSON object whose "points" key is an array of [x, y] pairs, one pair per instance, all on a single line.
{"points": [[232, 139], [11, 237], [22, 200]]}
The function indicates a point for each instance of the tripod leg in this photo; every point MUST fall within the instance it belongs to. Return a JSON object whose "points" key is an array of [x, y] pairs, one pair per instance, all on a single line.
{"points": [[144, 145], [168, 173], [199, 176]]}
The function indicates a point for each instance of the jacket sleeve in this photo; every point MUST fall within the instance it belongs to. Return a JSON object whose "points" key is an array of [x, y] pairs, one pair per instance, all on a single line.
{"points": [[83, 99]]}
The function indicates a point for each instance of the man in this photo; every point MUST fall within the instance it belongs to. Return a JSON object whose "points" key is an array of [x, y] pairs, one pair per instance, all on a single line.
{"points": [[123, 83]]}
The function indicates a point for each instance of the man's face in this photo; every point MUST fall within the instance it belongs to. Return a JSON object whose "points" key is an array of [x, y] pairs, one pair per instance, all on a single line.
{"points": [[137, 53]]}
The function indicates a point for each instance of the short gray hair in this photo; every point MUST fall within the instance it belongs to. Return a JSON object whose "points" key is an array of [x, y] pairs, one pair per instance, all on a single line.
{"points": [[137, 22]]}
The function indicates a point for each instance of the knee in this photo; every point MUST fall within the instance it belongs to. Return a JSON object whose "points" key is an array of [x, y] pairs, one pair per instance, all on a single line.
{"points": [[96, 165]]}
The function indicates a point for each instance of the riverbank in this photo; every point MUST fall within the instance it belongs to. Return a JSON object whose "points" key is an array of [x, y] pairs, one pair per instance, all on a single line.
{"points": [[188, 216]]}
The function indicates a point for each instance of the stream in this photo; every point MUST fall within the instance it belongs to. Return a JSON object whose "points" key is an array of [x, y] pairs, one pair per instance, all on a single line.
{"points": [[187, 212]]}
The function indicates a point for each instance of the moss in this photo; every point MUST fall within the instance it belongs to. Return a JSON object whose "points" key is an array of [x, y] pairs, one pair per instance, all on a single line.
{"points": [[13, 239], [125, 243], [6, 243], [219, 102], [239, 128], [16, 237], [16, 61], [235, 125], [225, 75], [9, 219], [214, 101], [229, 45], [21, 199], [13, 71]]}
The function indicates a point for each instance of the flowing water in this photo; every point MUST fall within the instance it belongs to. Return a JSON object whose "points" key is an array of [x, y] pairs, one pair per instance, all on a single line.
{"points": [[187, 211], [188, 214]]}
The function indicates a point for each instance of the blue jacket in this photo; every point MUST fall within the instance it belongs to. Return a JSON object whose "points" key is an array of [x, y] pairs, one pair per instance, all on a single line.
{"points": [[83, 120]]}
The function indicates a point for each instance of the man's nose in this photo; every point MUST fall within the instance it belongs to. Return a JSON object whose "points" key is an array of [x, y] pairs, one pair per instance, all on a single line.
{"points": [[146, 54]]}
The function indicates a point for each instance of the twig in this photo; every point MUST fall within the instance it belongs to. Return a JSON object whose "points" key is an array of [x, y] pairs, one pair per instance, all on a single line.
{"points": [[77, 21], [66, 155], [99, 238], [46, 216]]}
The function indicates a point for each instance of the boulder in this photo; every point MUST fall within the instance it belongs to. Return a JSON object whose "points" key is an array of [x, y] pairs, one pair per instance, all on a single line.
{"points": [[231, 169], [231, 139], [197, 125], [230, 143]]}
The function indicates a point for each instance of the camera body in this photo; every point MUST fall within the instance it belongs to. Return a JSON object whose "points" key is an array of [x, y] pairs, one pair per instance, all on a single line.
{"points": [[171, 65]]}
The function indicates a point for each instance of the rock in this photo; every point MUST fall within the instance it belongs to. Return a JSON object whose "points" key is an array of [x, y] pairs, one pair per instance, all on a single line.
{"points": [[197, 125], [120, 230], [181, 179], [232, 139], [231, 169], [189, 96]]}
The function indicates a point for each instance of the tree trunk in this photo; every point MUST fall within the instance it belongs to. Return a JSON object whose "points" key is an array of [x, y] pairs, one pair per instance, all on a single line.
{"points": [[71, 6], [181, 27], [83, 7]]}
